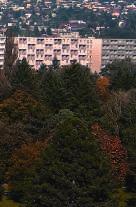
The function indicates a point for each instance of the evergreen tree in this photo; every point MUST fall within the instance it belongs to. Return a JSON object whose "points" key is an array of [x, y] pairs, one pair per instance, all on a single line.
{"points": [[55, 63], [73, 88], [72, 171], [122, 74], [80, 85], [42, 69], [24, 75], [53, 90], [128, 134]]}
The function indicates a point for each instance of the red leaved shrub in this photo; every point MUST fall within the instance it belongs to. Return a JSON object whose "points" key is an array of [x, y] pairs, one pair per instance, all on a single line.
{"points": [[113, 148]]}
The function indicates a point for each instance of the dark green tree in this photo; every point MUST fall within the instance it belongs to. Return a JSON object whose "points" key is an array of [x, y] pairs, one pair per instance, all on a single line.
{"points": [[23, 76], [72, 87], [42, 69], [53, 91], [80, 85], [55, 63], [72, 171], [122, 74], [128, 136]]}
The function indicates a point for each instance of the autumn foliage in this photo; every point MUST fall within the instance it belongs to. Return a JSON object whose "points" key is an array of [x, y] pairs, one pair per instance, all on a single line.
{"points": [[25, 156], [21, 106], [115, 151], [102, 85]]}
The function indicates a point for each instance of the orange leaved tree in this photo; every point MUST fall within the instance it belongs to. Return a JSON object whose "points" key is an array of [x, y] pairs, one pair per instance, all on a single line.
{"points": [[102, 85], [114, 150]]}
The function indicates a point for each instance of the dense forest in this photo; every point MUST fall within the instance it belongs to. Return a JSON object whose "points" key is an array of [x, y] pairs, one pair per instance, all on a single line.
{"points": [[68, 136]]}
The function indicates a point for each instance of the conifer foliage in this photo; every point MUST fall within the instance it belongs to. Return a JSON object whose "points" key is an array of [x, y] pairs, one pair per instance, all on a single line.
{"points": [[72, 172]]}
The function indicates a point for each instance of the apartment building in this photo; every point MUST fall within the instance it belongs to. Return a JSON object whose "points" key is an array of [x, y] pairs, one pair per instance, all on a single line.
{"points": [[66, 49], [113, 49], [96, 55], [2, 49]]}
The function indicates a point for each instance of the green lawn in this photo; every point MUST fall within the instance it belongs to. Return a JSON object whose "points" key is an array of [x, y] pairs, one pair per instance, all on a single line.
{"points": [[8, 203]]}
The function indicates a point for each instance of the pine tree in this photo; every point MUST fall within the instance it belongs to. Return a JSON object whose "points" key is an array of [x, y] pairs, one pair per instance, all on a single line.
{"points": [[53, 91], [23, 76], [42, 69], [55, 63], [122, 74], [72, 171], [81, 90]]}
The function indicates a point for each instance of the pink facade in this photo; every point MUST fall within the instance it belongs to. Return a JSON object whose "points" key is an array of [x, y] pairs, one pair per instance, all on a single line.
{"points": [[89, 51], [96, 54], [65, 48]]}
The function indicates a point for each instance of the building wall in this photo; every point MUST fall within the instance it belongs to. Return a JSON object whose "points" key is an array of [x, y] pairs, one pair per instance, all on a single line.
{"points": [[44, 50], [118, 49], [2, 48], [91, 52], [96, 54]]}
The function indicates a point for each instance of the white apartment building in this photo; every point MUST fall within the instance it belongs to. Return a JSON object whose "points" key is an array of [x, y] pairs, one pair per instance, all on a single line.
{"points": [[113, 49], [2, 49]]}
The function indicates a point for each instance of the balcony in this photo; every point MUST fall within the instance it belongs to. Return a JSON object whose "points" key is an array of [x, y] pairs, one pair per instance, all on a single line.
{"points": [[31, 46], [22, 52], [39, 52], [74, 52], [1, 56], [1, 51], [48, 46], [82, 47], [40, 41], [65, 46], [31, 57], [2, 40], [22, 40], [74, 41], [57, 41], [48, 57], [65, 58], [57, 52], [82, 58]]}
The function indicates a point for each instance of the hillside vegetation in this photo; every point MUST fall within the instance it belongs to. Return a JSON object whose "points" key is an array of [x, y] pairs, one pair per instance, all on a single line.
{"points": [[68, 137]]}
